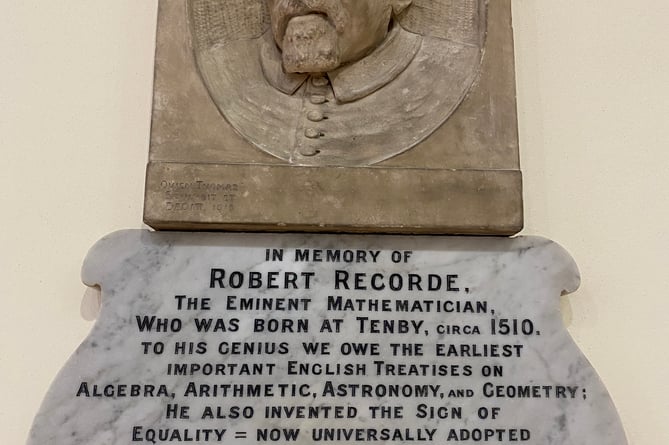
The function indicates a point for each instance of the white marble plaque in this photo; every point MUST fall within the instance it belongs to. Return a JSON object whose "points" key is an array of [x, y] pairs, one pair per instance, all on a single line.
{"points": [[259, 339]]}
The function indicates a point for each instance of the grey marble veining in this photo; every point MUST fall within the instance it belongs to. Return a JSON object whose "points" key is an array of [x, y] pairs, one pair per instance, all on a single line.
{"points": [[419, 355]]}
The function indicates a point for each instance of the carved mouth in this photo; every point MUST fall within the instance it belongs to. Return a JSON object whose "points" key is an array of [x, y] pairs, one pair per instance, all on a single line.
{"points": [[312, 12]]}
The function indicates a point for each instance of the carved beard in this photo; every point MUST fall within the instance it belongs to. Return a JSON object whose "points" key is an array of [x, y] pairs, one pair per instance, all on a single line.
{"points": [[310, 45], [307, 32]]}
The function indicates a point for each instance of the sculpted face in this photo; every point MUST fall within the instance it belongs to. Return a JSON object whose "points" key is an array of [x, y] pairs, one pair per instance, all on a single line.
{"points": [[321, 35]]}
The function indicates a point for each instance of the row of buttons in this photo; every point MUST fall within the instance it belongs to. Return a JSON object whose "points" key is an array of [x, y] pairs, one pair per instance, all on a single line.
{"points": [[317, 96]]}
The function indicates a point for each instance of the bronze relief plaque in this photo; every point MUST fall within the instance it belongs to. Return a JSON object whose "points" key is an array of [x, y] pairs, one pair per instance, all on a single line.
{"points": [[320, 115]]}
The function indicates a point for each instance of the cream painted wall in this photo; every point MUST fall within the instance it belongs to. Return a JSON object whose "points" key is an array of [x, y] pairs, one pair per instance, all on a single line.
{"points": [[593, 75]]}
